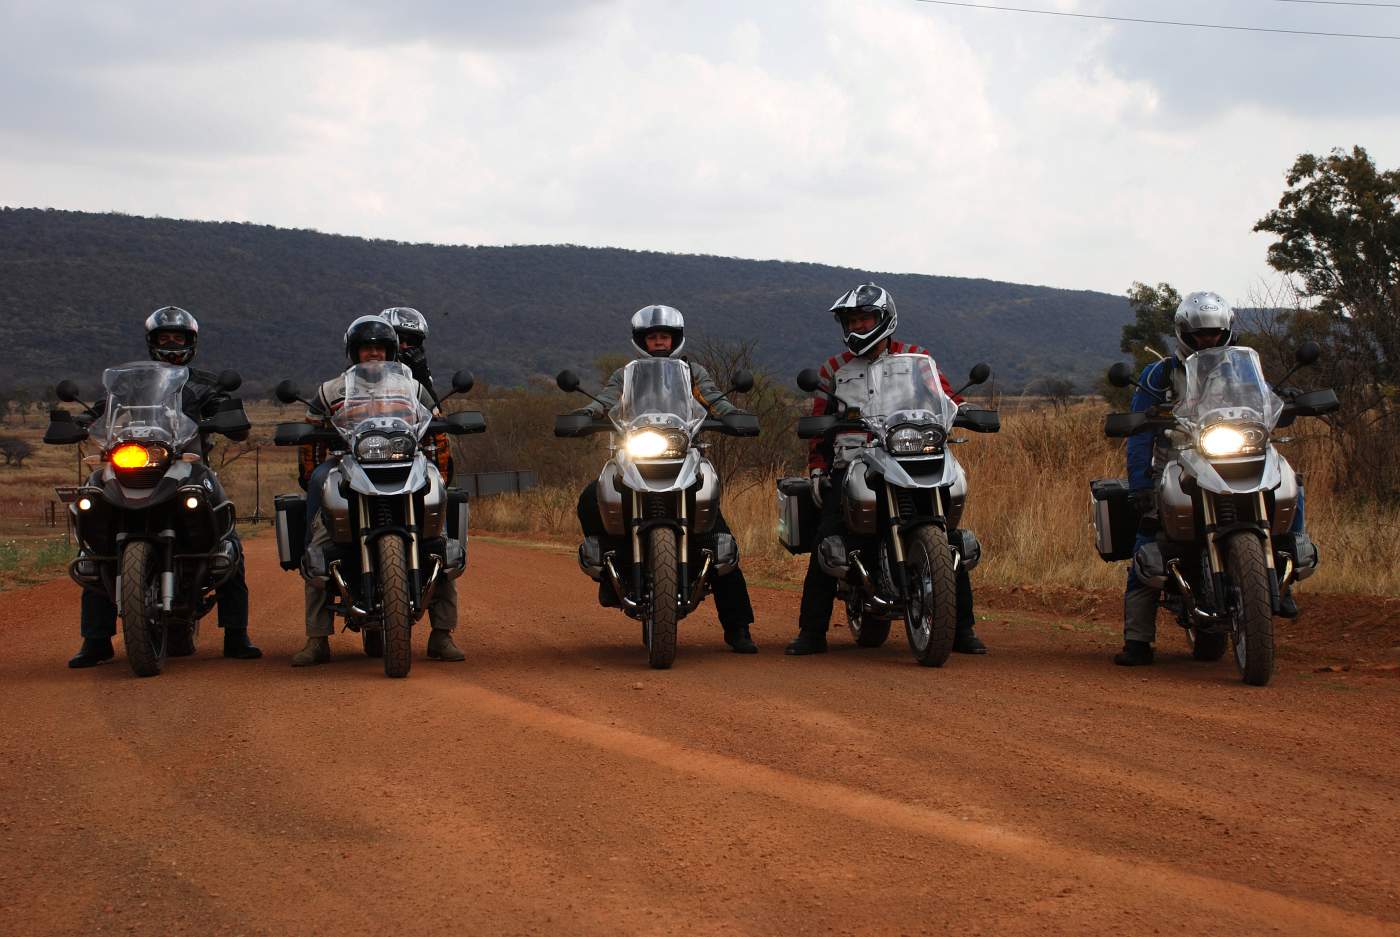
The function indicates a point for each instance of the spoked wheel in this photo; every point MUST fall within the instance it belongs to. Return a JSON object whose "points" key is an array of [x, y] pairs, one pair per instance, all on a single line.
{"points": [[930, 619], [373, 640], [867, 631], [1254, 621], [661, 619], [397, 636], [1207, 645], [143, 634]]}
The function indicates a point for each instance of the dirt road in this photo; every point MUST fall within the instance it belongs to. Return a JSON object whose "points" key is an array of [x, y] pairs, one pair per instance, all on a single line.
{"points": [[555, 785]]}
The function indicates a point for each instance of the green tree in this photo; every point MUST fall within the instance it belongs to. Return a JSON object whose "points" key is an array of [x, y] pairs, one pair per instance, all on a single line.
{"points": [[1338, 242], [1153, 308]]}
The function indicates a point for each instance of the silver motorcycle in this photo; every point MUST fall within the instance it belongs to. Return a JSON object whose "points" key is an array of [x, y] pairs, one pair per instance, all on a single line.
{"points": [[902, 501], [1225, 502], [659, 495], [394, 527]]}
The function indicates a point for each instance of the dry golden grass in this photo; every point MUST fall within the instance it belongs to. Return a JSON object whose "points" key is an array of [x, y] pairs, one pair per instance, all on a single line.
{"points": [[1028, 503]]}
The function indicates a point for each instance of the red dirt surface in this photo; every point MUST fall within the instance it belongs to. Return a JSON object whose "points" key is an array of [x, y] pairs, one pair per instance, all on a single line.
{"points": [[553, 784]]}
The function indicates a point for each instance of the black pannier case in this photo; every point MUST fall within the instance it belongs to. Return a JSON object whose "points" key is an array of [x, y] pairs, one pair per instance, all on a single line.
{"points": [[1115, 518], [798, 515], [291, 528]]}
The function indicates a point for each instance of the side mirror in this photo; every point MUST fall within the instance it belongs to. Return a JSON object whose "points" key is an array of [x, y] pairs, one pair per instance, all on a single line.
{"points": [[743, 381], [809, 380], [568, 381], [979, 374], [67, 391], [1123, 425], [287, 392], [229, 381], [1120, 375], [1307, 354], [463, 381]]}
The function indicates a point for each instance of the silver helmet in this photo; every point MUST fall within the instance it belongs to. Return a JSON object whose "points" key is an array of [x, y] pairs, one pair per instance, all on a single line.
{"points": [[658, 318], [406, 319], [172, 319], [866, 298], [1202, 312]]}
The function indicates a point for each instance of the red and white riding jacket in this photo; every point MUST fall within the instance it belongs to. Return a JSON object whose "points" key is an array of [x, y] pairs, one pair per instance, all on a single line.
{"points": [[847, 374]]}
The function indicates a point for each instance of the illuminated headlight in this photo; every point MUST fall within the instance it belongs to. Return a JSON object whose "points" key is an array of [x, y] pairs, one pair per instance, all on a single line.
{"points": [[914, 440], [84, 504], [376, 447], [1226, 439], [191, 502], [653, 444]]}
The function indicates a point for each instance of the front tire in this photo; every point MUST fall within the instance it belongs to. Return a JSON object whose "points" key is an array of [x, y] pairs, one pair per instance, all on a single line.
{"points": [[1254, 622], [867, 631], [144, 636], [931, 615], [661, 621], [398, 612]]}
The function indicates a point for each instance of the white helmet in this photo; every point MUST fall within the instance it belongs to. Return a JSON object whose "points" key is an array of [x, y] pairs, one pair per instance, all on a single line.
{"points": [[658, 318], [866, 298], [1202, 312]]}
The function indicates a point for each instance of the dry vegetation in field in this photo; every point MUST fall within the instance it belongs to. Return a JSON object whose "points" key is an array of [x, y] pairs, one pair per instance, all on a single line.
{"points": [[1028, 499]]}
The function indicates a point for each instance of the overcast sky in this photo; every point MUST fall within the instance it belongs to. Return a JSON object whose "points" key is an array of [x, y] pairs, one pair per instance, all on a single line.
{"points": [[886, 134]]}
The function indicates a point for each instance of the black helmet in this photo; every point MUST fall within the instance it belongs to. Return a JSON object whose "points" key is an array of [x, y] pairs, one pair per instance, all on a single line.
{"points": [[658, 319], [180, 332], [866, 298], [371, 330]]}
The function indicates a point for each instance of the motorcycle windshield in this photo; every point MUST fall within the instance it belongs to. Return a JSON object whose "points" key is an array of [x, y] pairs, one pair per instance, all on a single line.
{"points": [[381, 397], [144, 405], [1227, 384], [906, 389], [656, 391]]}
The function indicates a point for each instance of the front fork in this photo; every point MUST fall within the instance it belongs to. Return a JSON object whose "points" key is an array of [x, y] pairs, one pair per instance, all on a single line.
{"points": [[1210, 514]]}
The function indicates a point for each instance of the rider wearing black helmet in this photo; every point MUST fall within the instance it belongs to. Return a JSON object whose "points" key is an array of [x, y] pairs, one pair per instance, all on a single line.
{"points": [[369, 338], [868, 318], [172, 335]]}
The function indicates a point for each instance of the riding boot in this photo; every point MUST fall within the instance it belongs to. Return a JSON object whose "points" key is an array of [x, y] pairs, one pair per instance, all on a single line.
{"points": [[440, 646], [317, 651], [740, 640], [1134, 654], [93, 652], [237, 645], [808, 641]]}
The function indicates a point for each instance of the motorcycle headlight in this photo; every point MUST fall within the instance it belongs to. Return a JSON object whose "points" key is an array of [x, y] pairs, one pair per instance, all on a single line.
{"points": [[914, 440], [376, 447], [655, 444], [1229, 439]]}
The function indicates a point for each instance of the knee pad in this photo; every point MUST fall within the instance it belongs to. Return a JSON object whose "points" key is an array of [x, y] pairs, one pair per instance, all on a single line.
{"points": [[833, 558], [726, 554], [1149, 566]]}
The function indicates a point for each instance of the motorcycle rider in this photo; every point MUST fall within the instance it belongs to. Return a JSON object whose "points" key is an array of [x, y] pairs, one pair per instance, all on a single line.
{"points": [[369, 338], [172, 337], [867, 317], [1203, 320], [412, 329], [659, 332]]}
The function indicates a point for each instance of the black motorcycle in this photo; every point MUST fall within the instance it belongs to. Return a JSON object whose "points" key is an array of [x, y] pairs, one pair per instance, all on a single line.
{"points": [[153, 523]]}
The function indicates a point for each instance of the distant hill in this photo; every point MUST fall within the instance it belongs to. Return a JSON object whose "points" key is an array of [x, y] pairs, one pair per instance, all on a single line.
{"points": [[274, 302]]}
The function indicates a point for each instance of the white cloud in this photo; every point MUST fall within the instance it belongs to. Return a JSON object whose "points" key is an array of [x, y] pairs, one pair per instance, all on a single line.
{"points": [[875, 133]]}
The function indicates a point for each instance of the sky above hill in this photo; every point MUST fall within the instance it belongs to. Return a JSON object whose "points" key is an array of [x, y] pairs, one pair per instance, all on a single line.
{"points": [[890, 135]]}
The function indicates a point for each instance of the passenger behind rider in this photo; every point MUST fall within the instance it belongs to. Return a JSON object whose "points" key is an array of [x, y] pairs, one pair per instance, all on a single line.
{"points": [[659, 332], [1202, 320], [868, 318], [368, 339], [172, 337]]}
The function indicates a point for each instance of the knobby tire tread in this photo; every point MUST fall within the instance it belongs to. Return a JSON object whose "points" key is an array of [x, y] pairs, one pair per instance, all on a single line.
{"points": [[398, 615]]}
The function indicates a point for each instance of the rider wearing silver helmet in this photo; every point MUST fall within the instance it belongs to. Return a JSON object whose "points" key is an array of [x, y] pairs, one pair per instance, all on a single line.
{"points": [[868, 318], [1202, 320], [172, 337], [659, 332], [369, 338], [411, 326]]}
